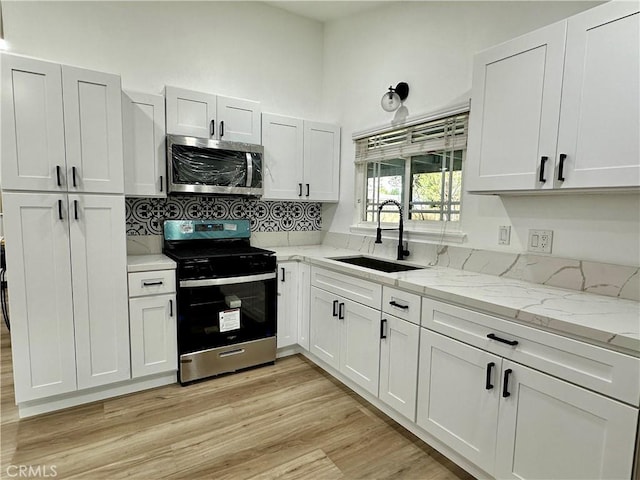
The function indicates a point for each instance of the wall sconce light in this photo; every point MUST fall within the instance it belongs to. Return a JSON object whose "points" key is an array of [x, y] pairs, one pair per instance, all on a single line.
{"points": [[392, 100]]}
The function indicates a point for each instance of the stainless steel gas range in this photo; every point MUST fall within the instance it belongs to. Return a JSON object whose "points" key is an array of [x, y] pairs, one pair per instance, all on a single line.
{"points": [[227, 297]]}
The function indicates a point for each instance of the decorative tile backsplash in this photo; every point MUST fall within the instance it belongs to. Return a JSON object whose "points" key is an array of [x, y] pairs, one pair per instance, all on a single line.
{"points": [[146, 215]]}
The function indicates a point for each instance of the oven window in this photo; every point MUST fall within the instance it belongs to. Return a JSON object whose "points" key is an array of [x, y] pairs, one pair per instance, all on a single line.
{"points": [[201, 166], [215, 316]]}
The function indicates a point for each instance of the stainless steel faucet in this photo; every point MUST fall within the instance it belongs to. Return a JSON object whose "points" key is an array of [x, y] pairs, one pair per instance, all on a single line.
{"points": [[402, 252]]}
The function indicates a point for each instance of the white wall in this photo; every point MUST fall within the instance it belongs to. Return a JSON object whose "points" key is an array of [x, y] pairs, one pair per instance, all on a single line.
{"points": [[239, 49], [430, 46]]}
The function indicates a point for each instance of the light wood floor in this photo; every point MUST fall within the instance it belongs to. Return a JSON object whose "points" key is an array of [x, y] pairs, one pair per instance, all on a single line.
{"points": [[290, 420]]}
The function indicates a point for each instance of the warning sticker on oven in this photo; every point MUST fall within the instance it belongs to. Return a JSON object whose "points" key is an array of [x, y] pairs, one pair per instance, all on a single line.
{"points": [[229, 320]]}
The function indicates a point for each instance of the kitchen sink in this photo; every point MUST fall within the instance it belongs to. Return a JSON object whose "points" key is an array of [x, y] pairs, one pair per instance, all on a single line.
{"points": [[376, 264]]}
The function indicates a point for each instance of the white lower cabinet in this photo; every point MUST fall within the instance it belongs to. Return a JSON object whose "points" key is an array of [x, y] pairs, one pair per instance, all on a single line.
{"points": [[399, 365], [304, 299], [346, 335], [66, 258], [287, 304], [516, 422], [153, 322]]}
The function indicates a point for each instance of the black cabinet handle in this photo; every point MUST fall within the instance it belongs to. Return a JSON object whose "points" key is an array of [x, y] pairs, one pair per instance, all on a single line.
{"points": [[299, 189], [171, 308], [505, 383], [488, 385], [543, 160], [563, 157], [307, 190], [75, 209], [282, 278], [383, 324], [221, 128], [161, 183], [393, 303], [335, 308], [60, 210], [58, 175], [151, 284], [73, 174], [212, 128], [493, 336], [341, 311]]}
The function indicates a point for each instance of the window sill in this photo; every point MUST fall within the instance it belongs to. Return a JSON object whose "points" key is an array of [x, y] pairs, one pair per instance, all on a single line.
{"points": [[446, 234]]}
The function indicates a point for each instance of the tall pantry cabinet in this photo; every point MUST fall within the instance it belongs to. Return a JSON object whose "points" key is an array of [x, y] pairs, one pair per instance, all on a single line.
{"points": [[64, 217]]}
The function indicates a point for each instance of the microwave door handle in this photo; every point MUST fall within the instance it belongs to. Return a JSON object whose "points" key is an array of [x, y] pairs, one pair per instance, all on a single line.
{"points": [[249, 169]]}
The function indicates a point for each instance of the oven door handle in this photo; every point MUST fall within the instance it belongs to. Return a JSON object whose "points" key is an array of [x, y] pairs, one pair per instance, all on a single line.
{"points": [[209, 282]]}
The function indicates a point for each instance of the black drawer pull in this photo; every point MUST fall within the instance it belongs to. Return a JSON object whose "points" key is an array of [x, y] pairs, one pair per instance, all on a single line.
{"points": [[212, 127], [171, 308], [222, 129], [58, 175], [161, 182], [563, 157], [75, 209], [299, 189], [60, 210], [383, 324], [543, 160], [73, 174], [341, 311], [394, 304], [151, 284], [505, 383], [488, 385], [493, 336], [307, 189], [335, 308]]}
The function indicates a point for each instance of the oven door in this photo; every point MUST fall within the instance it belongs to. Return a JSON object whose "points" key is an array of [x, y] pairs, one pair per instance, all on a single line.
{"points": [[225, 311]]}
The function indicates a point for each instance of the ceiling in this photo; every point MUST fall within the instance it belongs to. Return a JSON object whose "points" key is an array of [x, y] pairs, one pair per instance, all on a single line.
{"points": [[326, 10]]}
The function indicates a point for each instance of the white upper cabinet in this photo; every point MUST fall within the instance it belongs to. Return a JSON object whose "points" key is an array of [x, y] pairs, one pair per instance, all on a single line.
{"points": [[61, 128], [599, 120], [302, 159], [514, 112], [204, 115], [33, 151], [144, 145], [557, 108], [93, 131]]}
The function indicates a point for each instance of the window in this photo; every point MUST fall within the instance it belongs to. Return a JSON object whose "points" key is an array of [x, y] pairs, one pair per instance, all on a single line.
{"points": [[419, 166]]}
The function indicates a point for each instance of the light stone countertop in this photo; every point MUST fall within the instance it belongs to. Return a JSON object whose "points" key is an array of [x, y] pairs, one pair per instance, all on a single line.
{"points": [[601, 320], [148, 263]]}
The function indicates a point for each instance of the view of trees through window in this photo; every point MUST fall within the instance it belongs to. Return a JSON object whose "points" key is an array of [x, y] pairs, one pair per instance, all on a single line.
{"points": [[428, 186]]}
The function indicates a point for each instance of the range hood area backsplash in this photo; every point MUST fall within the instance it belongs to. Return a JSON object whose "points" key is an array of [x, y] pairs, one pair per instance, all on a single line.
{"points": [[146, 215]]}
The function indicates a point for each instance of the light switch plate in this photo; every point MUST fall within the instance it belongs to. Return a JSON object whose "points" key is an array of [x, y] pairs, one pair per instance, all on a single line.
{"points": [[540, 241], [504, 235]]}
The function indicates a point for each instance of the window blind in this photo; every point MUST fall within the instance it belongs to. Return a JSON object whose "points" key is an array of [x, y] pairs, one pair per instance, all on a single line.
{"points": [[440, 134]]}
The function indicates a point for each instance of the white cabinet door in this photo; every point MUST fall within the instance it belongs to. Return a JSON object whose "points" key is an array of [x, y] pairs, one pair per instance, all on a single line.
{"points": [[100, 299], [599, 120], [458, 397], [399, 365], [321, 162], [287, 304], [144, 145], [282, 139], [304, 300], [154, 347], [514, 112], [190, 113], [325, 329], [238, 120], [39, 272], [548, 428], [33, 151], [360, 346], [93, 131]]}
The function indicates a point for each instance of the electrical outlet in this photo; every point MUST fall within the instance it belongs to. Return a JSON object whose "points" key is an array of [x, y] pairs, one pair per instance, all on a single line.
{"points": [[504, 235], [540, 241]]}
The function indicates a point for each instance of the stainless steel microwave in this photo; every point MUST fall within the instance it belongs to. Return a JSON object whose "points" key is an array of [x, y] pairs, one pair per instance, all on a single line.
{"points": [[200, 165]]}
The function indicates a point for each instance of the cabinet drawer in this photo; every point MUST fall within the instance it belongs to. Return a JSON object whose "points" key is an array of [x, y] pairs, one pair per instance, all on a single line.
{"points": [[599, 369], [401, 304], [352, 288], [152, 283]]}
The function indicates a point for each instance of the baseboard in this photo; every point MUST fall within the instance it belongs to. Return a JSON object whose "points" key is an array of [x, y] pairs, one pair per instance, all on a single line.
{"points": [[58, 402]]}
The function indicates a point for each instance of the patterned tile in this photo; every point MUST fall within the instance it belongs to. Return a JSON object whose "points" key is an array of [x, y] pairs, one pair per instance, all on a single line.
{"points": [[146, 215]]}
